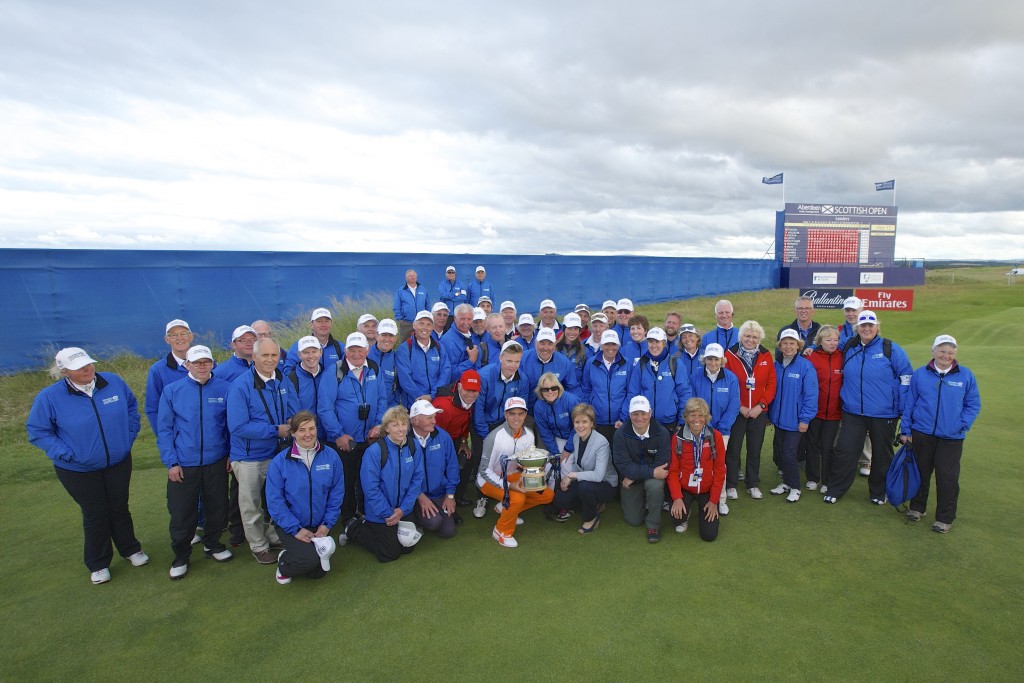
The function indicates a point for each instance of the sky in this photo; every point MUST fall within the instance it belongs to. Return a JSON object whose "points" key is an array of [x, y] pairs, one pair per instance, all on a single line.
{"points": [[522, 127]]}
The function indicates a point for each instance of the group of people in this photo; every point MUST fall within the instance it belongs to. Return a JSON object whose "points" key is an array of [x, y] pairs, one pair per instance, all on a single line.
{"points": [[384, 436]]}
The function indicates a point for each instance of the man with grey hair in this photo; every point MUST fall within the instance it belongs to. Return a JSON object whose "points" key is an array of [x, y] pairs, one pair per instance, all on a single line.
{"points": [[804, 324], [725, 333], [264, 330], [410, 299], [457, 343]]}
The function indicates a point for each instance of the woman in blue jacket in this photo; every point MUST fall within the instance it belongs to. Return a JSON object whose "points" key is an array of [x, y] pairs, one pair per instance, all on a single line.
{"points": [[605, 383], [86, 424], [553, 415], [656, 377], [392, 480], [795, 405], [305, 488], [942, 404]]}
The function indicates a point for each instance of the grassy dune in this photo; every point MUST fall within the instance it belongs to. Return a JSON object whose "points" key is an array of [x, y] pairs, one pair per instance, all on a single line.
{"points": [[804, 591]]}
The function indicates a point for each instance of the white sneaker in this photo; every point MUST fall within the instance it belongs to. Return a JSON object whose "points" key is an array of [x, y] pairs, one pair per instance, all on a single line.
{"points": [[794, 495], [812, 486], [681, 528], [221, 555], [178, 571], [520, 521], [197, 539], [731, 494], [138, 559], [481, 508], [824, 488], [503, 540], [101, 576], [499, 507], [779, 490], [865, 471], [755, 493], [723, 507], [281, 578]]}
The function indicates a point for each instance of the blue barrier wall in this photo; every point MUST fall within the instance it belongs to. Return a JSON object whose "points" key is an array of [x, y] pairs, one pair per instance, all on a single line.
{"points": [[107, 301]]}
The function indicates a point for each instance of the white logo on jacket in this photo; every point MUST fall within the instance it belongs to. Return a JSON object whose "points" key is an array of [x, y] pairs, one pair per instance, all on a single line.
{"points": [[112, 399]]}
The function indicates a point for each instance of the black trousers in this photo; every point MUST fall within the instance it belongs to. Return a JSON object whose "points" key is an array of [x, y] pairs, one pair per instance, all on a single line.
{"points": [[695, 503], [103, 497], [753, 431], [211, 483], [821, 445], [607, 431], [852, 431], [589, 495], [468, 466], [351, 461], [300, 558], [234, 513], [941, 456], [381, 540]]}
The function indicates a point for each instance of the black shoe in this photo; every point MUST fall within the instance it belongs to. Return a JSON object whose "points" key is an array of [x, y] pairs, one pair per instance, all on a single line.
{"points": [[237, 537], [462, 502], [458, 519]]}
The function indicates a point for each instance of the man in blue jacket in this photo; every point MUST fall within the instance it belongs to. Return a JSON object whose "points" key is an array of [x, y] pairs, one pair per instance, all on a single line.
{"points": [[457, 344], [422, 366], [169, 369], [605, 384], [544, 359], [876, 379], [480, 287], [657, 377], [306, 376], [435, 506], [725, 333], [243, 338], [451, 291], [260, 403], [410, 299], [382, 352], [321, 322], [640, 451], [192, 437]]}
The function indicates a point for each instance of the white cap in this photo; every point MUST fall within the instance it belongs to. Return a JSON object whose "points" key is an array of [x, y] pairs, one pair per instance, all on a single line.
{"points": [[572, 320], [481, 269], [450, 269], [72, 358], [624, 305], [547, 303], [325, 547], [608, 304], [308, 342], [356, 339], [485, 298], [423, 407], [582, 307], [944, 339], [479, 314], [515, 402], [599, 317], [853, 302], [197, 352], [867, 318], [610, 337], [788, 333], [439, 306], [320, 313], [365, 318], [688, 327], [424, 314], [657, 333], [177, 322], [526, 319], [512, 343], [387, 326], [546, 333], [506, 304], [242, 329], [714, 350], [408, 535], [639, 403]]}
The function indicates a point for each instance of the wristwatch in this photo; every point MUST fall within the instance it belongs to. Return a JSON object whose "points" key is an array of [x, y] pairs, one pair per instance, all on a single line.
{"points": [[763, 406], [450, 496]]}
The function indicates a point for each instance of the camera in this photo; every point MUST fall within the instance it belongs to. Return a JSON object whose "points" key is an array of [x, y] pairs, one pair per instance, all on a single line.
{"points": [[364, 411]]}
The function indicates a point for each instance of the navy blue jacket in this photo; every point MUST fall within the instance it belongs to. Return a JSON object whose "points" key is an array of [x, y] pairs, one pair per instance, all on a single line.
{"points": [[637, 458], [84, 434], [192, 423], [299, 497]]}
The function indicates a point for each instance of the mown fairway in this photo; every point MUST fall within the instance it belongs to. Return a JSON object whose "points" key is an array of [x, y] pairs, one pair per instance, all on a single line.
{"points": [[804, 591]]}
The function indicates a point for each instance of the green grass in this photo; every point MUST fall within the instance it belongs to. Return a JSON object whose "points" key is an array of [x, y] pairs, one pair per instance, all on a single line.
{"points": [[805, 591]]}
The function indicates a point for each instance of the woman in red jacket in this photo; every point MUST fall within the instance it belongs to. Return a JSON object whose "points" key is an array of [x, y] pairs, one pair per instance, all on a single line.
{"points": [[827, 360], [697, 478], [754, 367]]}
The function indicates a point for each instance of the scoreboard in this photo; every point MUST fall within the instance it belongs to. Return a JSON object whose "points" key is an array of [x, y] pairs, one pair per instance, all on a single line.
{"points": [[834, 234]]}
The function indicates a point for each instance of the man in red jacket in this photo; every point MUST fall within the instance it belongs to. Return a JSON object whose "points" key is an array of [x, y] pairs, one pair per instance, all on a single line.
{"points": [[457, 403]]}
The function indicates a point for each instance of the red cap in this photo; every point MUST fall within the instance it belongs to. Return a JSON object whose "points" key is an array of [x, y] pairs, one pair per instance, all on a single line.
{"points": [[470, 380]]}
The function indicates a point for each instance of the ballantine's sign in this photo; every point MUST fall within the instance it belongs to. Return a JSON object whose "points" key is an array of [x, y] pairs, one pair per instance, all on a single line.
{"points": [[828, 298]]}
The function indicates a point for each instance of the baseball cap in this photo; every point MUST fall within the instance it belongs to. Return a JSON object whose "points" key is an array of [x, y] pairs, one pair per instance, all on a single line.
{"points": [[325, 547], [610, 337], [242, 329], [507, 304], [423, 407], [72, 358], [715, 351], [624, 305], [852, 302], [365, 318], [867, 318], [526, 319], [320, 313], [692, 329], [439, 306], [479, 314], [481, 269], [197, 352], [515, 402], [547, 303], [608, 304], [599, 317], [944, 339], [546, 333], [387, 326], [408, 535], [356, 339], [424, 314], [787, 333], [638, 403], [483, 299], [582, 307], [450, 269], [657, 333], [309, 342], [177, 322], [572, 320], [512, 345], [470, 380]]}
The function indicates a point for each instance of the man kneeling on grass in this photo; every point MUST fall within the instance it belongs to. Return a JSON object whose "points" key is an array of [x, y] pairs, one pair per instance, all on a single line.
{"points": [[435, 507], [640, 451]]}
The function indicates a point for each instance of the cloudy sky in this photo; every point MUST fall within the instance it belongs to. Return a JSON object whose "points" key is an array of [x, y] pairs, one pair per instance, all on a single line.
{"points": [[520, 127]]}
